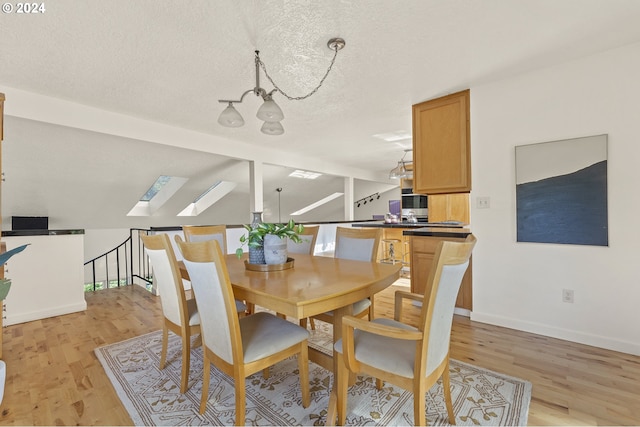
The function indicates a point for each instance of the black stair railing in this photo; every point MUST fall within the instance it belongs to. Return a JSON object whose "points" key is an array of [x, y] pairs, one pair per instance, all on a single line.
{"points": [[119, 266]]}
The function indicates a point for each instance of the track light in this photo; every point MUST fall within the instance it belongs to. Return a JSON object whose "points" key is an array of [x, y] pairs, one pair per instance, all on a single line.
{"points": [[369, 199]]}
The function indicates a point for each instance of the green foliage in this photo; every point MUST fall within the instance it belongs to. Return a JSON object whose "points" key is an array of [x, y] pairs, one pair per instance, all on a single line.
{"points": [[255, 236]]}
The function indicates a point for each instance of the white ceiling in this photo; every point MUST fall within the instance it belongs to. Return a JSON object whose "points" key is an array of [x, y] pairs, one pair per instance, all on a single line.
{"points": [[170, 61]]}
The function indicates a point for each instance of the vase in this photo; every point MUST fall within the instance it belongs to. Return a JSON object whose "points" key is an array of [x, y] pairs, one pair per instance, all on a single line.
{"points": [[275, 249], [256, 255], [256, 219]]}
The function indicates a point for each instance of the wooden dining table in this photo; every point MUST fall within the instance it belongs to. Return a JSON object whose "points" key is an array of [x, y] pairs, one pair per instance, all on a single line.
{"points": [[315, 285]]}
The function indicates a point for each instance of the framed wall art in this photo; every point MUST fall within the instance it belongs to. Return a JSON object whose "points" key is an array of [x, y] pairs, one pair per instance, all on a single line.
{"points": [[561, 191]]}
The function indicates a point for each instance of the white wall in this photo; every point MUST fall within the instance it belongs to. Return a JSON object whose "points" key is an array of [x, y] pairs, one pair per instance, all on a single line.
{"points": [[519, 285], [46, 278]]}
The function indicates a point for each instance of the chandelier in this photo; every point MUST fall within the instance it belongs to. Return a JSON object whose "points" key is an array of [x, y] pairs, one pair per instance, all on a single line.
{"points": [[269, 111], [400, 171]]}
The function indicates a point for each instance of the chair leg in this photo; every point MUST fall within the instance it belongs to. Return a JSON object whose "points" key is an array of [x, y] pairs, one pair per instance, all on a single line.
{"points": [[341, 387], [303, 367], [206, 373], [165, 342], [186, 361], [265, 373], [419, 414], [313, 324], [446, 387], [379, 383], [240, 400]]}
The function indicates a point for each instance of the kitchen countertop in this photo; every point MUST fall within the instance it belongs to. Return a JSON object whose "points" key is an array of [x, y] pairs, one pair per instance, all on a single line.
{"points": [[435, 229], [382, 224]]}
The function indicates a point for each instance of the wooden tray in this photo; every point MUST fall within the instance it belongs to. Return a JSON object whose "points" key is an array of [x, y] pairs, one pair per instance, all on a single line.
{"points": [[269, 267]]}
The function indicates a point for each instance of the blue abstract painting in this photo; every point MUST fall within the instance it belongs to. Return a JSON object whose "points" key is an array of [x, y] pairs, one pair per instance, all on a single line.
{"points": [[561, 192]]}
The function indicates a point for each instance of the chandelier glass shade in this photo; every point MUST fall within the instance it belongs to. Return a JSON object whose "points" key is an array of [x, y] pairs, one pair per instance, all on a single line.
{"points": [[230, 117], [269, 112], [272, 128]]}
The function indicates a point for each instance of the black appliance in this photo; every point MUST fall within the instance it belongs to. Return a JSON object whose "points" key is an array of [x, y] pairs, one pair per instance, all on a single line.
{"points": [[416, 203]]}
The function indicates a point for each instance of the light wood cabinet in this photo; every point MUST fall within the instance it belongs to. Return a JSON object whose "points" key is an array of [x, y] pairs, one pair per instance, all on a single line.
{"points": [[423, 249], [449, 207], [407, 182], [441, 145]]}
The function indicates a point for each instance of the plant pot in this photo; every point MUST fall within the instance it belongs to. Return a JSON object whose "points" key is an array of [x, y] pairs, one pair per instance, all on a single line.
{"points": [[275, 249], [256, 255]]}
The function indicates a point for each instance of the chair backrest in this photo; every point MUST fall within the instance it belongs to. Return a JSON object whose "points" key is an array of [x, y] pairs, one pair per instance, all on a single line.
{"points": [[214, 295], [358, 244], [307, 245], [450, 263], [200, 233], [167, 276]]}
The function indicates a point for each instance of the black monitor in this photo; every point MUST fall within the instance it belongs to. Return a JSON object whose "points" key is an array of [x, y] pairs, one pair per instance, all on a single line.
{"points": [[29, 223]]}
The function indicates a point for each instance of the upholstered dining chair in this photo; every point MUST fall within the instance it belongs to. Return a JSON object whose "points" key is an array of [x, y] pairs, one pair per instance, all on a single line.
{"points": [[242, 346], [201, 233], [180, 314], [308, 239], [358, 244], [412, 358]]}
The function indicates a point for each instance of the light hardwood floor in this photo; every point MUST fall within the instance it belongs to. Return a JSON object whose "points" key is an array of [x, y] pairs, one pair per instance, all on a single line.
{"points": [[54, 377]]}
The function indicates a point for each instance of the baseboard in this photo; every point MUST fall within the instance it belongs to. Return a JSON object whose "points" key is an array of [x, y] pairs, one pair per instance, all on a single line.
{"points": [[462, 312], [563, 334], [42, 314]]}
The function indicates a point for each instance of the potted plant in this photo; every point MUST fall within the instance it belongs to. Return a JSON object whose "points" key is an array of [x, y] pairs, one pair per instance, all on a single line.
{"points": [[270, 239]]}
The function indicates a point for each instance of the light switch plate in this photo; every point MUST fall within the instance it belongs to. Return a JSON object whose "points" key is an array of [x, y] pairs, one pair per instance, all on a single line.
{"points": [[483, 202]]}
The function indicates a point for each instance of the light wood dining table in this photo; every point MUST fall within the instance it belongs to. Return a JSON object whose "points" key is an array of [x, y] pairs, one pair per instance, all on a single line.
{"points": [[315, 284]]}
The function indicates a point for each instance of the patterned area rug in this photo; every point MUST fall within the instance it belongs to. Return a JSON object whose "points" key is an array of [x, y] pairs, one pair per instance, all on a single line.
{"points": [[152, 397]]}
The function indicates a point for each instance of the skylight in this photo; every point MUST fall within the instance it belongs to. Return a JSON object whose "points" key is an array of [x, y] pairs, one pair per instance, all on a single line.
{"points": [[304, 174], [317, 204], [205, 200], [155, 188], [157, 195]]}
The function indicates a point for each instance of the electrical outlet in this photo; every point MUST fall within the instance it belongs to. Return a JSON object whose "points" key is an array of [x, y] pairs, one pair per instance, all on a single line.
{"points": [[567, 295], [482, 202]]}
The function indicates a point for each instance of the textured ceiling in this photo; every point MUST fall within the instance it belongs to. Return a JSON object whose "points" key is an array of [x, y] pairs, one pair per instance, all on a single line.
{"points": [[170, 61]]}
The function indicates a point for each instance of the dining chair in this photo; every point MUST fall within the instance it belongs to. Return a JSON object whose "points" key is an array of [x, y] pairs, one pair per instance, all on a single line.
{"points": [[358, 244], [308, 238], [180, 314], [243, 346], [412, 358], [201, 233]]}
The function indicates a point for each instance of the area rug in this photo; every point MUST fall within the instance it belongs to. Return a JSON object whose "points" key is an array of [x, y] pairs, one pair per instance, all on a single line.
{"points": [[152, 397]]}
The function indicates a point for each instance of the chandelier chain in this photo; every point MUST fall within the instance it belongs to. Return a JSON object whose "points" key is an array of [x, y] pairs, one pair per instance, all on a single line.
{"points": [[298, 98]]}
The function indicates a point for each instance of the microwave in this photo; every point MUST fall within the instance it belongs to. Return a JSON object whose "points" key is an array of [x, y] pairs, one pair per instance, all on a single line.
{"points": [[416, 203]]}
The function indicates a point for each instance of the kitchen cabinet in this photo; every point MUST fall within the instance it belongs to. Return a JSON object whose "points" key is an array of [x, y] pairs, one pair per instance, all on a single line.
{"points": [[407, 183], [441, 145], [423, 249], [449, 207]]}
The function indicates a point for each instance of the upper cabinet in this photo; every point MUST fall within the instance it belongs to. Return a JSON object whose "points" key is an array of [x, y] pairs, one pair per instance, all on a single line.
{"points": [[441, 145]]}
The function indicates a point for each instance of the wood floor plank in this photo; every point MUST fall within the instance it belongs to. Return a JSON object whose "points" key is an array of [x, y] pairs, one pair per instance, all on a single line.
{"points": [[54, 377]]}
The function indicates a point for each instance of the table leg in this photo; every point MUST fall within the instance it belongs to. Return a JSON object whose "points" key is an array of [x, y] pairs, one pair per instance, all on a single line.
{"points": [[332, 410]]}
